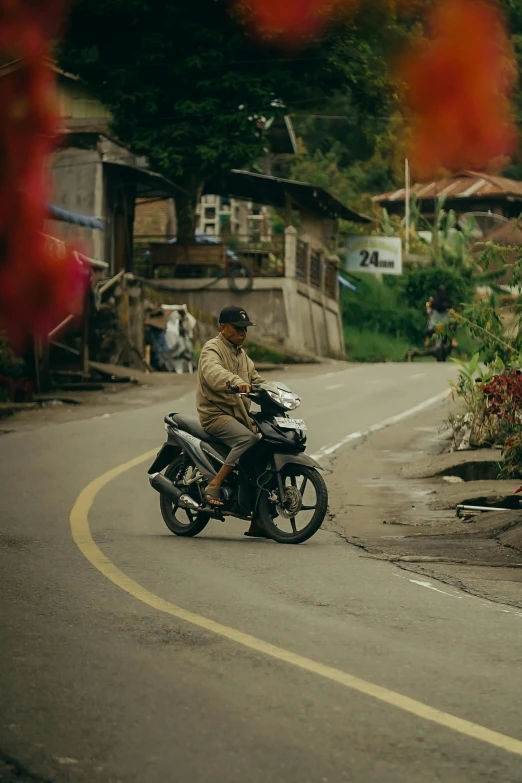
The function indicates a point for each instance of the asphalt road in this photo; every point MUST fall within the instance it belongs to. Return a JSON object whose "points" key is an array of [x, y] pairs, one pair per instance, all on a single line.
{"points": [[224, 659]]}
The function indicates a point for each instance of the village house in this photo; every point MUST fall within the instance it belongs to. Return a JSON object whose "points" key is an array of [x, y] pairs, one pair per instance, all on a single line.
{"points": [[493, 203], [94, 175], [466, 192], [289, 282]]}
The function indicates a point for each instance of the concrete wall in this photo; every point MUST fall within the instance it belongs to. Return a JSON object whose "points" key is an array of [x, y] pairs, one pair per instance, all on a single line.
{"points": [[320, 322], [289, 315], [318, 231], [77, 185], [266, 307]]}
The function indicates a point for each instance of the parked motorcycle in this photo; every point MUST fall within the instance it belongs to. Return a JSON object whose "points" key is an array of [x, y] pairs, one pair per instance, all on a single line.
{"points": [[275, 482]]}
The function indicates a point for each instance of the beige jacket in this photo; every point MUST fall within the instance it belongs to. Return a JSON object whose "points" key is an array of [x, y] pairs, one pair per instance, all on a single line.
{"points": [[222, 365]]}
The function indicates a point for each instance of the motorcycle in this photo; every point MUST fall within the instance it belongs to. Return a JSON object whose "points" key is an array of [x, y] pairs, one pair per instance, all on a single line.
{"points": [[439, 333], [275, 482]]}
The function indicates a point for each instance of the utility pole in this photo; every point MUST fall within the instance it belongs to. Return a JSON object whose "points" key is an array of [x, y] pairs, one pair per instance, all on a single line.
{"points": [[408, 213]]}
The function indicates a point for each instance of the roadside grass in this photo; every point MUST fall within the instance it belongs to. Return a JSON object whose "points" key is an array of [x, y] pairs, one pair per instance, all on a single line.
{"points": [[262, 354], [367, 346]]}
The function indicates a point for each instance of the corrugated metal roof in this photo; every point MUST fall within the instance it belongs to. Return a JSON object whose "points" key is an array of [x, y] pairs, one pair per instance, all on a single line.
{"points": [[272, 191], [15, 65], [466, 184]]}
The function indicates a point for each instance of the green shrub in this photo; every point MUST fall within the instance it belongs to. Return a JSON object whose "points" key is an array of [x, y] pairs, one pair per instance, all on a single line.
{"points": [[395, 308], [419, 283], [377, 306], [467, 345], [260, 353], [367, 346]]}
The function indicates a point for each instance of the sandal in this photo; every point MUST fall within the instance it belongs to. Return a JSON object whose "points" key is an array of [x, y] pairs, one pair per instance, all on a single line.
{"points": [[213, 497]]}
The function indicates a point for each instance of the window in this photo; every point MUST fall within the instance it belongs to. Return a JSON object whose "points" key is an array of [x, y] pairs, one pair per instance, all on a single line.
{"points": [[209, 229], [210, 213]]}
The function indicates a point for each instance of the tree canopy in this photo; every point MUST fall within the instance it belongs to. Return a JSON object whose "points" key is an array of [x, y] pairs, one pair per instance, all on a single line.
{"points": [[187, 84], [363, 154]]}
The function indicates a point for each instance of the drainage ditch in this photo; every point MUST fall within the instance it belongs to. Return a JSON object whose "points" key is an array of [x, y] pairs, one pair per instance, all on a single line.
{"points": [[480, 470]]}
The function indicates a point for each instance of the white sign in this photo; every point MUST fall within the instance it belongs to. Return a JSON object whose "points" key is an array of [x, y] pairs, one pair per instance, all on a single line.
{"points": [[377, 255]]}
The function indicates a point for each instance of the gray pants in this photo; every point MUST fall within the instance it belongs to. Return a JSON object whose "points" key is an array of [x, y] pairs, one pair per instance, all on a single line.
{"points": [[234, 434]]}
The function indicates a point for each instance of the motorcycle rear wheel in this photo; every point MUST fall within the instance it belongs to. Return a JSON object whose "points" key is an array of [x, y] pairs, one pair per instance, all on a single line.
{"points": [[265, 510], [196, 522]]}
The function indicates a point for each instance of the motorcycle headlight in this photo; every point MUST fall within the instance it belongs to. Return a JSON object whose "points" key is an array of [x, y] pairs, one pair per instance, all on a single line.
{"points": [[285, 399]]}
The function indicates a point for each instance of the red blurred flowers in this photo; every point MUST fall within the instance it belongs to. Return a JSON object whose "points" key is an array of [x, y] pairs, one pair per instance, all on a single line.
{"points": [[39, 284], [458, 82], [458, 86], [290, 22]]}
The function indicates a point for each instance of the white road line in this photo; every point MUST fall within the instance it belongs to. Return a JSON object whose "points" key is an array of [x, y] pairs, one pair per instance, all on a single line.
{"points": [[326, 451], [431, 587], [487, 603], [334, 386], [418, 376]]}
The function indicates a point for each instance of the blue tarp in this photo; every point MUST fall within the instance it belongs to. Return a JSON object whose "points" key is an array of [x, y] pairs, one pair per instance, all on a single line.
{"points": [[346, 283], [57, 213]]}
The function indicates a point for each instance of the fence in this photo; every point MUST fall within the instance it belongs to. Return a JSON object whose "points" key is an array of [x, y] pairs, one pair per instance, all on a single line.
{"points": [[331, 284], [265, 257], [316, 261], [157, 256], [301, 260], [314, 268]]}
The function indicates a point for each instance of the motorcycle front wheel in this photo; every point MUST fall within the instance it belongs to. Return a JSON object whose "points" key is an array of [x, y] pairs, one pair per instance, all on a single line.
{"points": [[180, 521], [299, 514]]}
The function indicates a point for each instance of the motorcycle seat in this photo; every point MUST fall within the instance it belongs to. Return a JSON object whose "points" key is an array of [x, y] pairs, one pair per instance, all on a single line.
{"points": [[192, 425]]}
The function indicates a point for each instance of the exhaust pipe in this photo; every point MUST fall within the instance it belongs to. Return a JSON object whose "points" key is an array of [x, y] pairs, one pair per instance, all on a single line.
{"points": [[172, 493]]}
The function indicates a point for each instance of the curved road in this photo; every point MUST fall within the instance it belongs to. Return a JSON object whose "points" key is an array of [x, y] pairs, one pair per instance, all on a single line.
{"points": [[130, 655]]}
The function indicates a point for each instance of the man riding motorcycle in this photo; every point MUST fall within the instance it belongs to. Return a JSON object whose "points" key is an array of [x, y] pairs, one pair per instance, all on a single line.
{"points": [[438, 328], [224, 364]]}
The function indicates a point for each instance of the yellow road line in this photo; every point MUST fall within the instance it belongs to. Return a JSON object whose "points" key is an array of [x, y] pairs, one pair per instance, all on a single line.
{"points": [[82, 536]]}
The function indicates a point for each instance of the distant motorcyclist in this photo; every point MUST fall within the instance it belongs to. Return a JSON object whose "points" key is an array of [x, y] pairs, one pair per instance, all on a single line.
{"points": [[438, 310]]}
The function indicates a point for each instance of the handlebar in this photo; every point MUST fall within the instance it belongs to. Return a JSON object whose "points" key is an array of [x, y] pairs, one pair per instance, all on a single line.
{"points": [[235, 390]]}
